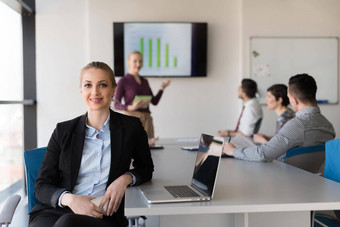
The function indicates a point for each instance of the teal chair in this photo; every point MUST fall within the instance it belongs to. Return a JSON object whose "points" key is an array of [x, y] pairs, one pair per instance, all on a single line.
{"points": [[33, 159], [310, 159], [332, 172], [332, 164]]}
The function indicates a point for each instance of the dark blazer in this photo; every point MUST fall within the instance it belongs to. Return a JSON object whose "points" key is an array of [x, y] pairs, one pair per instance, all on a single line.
{"points": [[60, 167]]}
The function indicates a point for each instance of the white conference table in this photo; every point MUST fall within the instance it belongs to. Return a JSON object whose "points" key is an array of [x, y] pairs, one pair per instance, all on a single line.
{"points": [[247, 193]]}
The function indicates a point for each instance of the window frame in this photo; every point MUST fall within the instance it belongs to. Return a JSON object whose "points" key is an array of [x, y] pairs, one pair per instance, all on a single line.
{"points": [[27, 10]]}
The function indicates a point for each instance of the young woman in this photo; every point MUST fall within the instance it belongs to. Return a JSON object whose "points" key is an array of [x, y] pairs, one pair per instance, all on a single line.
{"points": [[131, 85], [278, 101], [89, 157]]}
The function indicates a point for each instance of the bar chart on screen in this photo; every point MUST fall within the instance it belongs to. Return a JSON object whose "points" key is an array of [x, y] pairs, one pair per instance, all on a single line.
{"points": [[166, 48]]}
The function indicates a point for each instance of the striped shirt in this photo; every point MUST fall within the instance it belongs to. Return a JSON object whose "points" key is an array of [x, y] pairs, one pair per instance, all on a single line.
{"points": [[308, 128]]}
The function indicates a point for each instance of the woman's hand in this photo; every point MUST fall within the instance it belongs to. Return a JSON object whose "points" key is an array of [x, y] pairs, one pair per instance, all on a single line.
{"points": [[81, 204], [115, 192], [165, 84]]}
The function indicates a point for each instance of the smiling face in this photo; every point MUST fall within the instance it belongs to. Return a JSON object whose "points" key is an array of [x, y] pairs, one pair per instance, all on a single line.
{"points": [[135, 63], [97, 89], [271, 101]]}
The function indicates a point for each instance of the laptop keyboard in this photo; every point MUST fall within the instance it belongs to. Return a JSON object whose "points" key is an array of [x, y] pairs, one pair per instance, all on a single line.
{"points": [[181, 191]]}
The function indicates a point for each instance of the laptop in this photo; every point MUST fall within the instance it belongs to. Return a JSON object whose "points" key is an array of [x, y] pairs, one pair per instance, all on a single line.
{"points": [[203, 180]]}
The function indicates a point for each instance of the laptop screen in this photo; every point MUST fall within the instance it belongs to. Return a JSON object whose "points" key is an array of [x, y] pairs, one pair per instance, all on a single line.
{"points": [[207, 162]]}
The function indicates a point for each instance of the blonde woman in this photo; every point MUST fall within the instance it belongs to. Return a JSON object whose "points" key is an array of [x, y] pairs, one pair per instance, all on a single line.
{"points": [[89, 157], [131, 85]]}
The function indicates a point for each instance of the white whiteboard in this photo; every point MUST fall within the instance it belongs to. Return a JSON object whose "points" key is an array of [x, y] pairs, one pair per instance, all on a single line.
{"points": [[274, 60]]}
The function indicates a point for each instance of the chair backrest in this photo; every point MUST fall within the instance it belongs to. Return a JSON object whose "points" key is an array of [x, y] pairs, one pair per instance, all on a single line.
{"points": [[8, 210], [307, 158], [33, 159], [332, 164], [257, 126]]}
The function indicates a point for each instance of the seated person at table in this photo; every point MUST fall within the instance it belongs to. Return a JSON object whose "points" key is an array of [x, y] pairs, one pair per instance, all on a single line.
{"points": [[308, 128], [278, 101], [251, 111], [90, 156]]}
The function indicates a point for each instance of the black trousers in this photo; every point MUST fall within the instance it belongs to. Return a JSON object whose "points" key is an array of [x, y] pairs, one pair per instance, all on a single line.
{"points": [[58, 217]]}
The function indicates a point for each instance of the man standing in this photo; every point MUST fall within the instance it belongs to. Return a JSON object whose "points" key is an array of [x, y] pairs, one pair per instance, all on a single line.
{"points": [[308, 128], [251, 111]]}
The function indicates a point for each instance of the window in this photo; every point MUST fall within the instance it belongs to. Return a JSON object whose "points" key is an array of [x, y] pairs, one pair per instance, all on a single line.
{"points": [[11, 89], [17, 90]]}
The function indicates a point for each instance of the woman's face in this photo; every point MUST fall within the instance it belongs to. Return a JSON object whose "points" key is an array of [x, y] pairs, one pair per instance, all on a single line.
{"points": [[97, 89], [272, 103], [135, 63]]}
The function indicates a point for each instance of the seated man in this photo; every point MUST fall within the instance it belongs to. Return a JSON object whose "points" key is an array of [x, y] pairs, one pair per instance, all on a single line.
{"points": [[308, 128], [251, 111]]}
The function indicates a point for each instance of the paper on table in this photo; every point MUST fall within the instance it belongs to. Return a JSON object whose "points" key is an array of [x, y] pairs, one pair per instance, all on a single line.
{"points": [[242, 141], [188, 140]]}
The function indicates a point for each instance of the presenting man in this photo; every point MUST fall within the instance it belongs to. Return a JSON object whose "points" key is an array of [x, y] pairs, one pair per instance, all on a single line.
{"points": [[251, 111], [308, 128]]}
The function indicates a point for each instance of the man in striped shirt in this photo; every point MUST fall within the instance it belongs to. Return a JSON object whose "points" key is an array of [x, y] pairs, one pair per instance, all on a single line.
{"points": [[308, 128]]}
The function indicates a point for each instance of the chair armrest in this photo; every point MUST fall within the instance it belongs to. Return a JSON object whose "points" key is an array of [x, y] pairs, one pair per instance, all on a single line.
{"points": [[8, 209]]}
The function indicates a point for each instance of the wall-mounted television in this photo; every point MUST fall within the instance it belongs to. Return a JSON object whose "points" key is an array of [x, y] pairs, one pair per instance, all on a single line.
{"points": [[169, 49]]}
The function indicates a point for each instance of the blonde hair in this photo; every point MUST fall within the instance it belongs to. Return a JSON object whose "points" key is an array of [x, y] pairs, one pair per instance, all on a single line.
{"points": [[102, 66], [135, 52]]}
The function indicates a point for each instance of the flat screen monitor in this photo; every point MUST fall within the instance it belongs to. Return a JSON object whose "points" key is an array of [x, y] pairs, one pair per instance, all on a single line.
{"points": [[169, 49]]}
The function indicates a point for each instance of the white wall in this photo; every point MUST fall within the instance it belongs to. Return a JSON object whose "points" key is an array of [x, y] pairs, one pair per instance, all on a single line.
{"points": [[305, 18], [72, 33], [61, 40]]}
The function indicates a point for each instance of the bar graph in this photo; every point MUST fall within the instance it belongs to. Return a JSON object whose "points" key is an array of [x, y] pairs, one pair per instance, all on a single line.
{"points": [[141, 45], [149, 57], [166, 49], [158, 52], [150, 51]]}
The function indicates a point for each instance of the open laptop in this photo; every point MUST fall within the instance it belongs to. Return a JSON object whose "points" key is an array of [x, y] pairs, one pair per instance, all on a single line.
{"points": [[203, 180]]}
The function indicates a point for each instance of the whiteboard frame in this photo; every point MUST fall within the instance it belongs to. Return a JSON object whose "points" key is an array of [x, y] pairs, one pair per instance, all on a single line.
{"points": [[251, 73]]}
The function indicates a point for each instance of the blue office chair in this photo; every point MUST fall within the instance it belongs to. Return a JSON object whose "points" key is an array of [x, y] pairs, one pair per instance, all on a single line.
{"points": [[257, 126], [322, 221], [332, 164], [332, 172], [310, 159], [33, 159]]}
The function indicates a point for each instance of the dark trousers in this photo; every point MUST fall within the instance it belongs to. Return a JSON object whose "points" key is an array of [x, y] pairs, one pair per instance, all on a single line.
{"points": [[66, 218]]}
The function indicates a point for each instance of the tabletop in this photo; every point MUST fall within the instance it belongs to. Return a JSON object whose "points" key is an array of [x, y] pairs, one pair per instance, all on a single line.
{"points": [[241, 186]]}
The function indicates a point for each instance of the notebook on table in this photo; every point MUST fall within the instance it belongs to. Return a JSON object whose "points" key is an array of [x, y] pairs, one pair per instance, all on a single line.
{"points": [[203, 180]]}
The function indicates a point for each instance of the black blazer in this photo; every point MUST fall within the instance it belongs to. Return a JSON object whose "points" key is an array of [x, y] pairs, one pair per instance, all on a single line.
{"points": [[60, 167]]}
